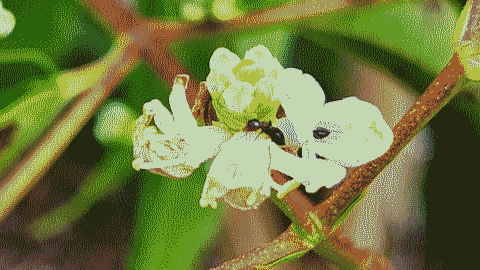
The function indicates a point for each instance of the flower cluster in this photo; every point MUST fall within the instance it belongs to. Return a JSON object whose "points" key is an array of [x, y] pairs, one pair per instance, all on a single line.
{"points": [[246, 95]]}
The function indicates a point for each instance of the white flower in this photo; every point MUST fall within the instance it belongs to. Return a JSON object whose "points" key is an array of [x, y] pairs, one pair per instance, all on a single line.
{"points": [[350, 132], [241, 172], [181, 146], [244, 89]]}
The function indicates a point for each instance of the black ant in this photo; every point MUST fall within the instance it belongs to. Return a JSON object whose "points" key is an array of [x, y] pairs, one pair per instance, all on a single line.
{"points": [[275, 134]]}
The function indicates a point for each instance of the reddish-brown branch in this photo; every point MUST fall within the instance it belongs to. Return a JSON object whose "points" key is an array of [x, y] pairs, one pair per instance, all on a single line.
{"points": [[336, 247], [338, 250], [286, 244], [437, 95], [292, 12], [341, 251], [116, 14], [298, 203], [167, 66]]}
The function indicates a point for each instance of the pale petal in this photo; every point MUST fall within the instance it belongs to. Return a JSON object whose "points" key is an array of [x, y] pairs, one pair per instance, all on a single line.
{"points": [[155, 162], [225, 163], [358, 135], [212, 191], [177, 171], [264, 59], [259, 53], [266, 87], [223, 58], [301, 97], [162, 147], [162, 117], [269, 85], [254, 161], [312, 91], [241, 161], [274, 76], [204, 143], [240, 169], [300, 91], [219, 80], [286, 126], [297, 90], [313, 173], [182, 114], [238, 96], [249, 72]]}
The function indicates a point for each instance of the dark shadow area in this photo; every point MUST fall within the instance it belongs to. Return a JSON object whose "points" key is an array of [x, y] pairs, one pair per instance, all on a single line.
{"points": [[6, 135], [13, 73], [76, 57], [452, 184]]}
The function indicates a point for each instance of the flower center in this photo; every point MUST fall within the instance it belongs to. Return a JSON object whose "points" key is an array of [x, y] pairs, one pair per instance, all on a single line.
{"points": [[248, 72]]}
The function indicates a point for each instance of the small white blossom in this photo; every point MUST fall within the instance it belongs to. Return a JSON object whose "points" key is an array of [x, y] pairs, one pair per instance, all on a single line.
{"points": [[241, 173], [181, 146], [339, 134], [239, 81], [357, 132]]}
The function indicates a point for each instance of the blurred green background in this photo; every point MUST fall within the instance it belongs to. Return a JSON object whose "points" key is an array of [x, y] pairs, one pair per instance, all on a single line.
{"points": [[92, 198]]}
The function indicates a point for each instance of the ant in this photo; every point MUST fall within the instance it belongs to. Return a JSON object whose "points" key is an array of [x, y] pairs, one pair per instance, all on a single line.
{"points": [[275, 134]]}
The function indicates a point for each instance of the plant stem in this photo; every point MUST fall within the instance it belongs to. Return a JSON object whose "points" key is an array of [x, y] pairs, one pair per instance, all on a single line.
{"points": [[335, 247], [441, 90], [288, 244]]}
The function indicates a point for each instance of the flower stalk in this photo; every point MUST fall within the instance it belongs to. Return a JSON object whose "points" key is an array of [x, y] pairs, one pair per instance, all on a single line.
{"points": [[448, 83]]}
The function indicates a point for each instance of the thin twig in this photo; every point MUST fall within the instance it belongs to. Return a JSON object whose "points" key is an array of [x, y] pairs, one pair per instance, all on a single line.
{"points": [[120, 17], [117, 15], [288, 13]]}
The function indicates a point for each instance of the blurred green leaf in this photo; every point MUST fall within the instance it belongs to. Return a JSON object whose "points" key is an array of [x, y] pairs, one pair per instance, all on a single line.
{"points": [[63, 30], [408, 28], [109, 174], [172, 231], [30, 114]]}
